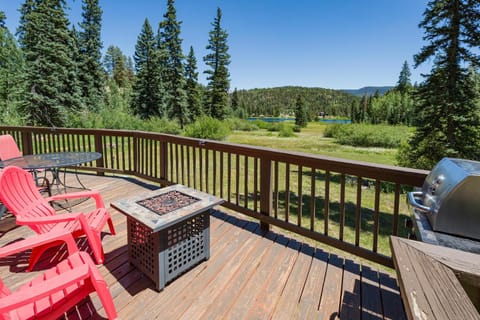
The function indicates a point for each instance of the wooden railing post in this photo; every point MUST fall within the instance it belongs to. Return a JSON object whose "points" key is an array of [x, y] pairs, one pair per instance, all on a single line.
{"points": [[99, 148], [27, 143], [266, 197], [163, 163]]}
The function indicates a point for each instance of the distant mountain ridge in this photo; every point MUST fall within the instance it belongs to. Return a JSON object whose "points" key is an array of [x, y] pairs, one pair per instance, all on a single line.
{"points": [[367, 90]]}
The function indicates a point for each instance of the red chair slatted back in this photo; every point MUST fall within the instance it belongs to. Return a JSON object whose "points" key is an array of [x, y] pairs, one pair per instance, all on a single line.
{"points": [[8, 147], [19, 193]]}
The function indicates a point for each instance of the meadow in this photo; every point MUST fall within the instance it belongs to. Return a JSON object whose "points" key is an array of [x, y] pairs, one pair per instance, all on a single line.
{"points": [[312, 139]]}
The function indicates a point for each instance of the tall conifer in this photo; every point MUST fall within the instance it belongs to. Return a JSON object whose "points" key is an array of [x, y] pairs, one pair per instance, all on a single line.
{"points": [[11, 75], [447, 111], [91, 74], [115, 64], [173, 67], [404, 84], [147, 94], [301, 117], [193, 91], [51, 79], [218, 76]]}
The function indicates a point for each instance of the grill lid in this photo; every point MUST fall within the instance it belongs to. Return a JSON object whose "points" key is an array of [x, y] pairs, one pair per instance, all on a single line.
{"points": [[450, 197]]}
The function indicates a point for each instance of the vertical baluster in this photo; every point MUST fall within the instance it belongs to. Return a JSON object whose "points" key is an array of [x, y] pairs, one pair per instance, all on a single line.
{"points": [[358, 211], [200, 160], [182, 154], [376, 215], [255, 184], [312, 200], [396, 209], [214, 170], [207, 166], [229, 171], [342, 205], [327, 204], [287, 192], [237, 179], [275, 207], [245, 181], [189, 164], [194, 168], [171, 162], [300, 196], [221, 174]]}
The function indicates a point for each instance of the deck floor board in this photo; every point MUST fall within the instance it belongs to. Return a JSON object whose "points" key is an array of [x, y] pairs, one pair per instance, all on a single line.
{"points": [[250, 274]]}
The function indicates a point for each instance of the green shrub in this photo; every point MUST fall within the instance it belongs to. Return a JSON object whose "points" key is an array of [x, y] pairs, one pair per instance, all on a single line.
{"points": [[241, 124], [366, 135], [207, 128], [162, 125], [262, 124], [285, 131]]}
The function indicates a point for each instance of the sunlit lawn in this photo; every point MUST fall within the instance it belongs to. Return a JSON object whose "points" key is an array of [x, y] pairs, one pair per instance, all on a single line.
{"points": [[311, 140]]}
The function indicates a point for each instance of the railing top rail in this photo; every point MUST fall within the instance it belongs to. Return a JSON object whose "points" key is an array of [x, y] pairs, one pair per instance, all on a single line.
{"points": [[351, 167]]}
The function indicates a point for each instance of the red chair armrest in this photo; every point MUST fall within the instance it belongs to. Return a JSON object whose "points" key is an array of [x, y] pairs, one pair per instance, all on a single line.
{"points": [[49, 219], [39, 240], [82, 194]]}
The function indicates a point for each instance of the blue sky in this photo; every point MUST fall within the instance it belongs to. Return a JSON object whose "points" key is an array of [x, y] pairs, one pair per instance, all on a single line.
{"points": [[334, 44]]}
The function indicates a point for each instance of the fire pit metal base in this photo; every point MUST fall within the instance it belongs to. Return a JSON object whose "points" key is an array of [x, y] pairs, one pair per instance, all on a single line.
{"points": [[167, 245]]}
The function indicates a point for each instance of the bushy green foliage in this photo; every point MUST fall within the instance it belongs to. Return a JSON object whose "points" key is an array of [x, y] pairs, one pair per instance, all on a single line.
{"points": [[297, 128], [207, 128], [285, 131], [364, 135], [241, 124], [162, 125]]}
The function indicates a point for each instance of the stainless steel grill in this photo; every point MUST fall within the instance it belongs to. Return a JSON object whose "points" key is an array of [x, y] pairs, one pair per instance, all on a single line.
{"points": [[450, 198]]}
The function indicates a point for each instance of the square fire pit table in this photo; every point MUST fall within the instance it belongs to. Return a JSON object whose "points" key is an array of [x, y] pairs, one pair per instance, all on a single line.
{"points": [[168, 230]]}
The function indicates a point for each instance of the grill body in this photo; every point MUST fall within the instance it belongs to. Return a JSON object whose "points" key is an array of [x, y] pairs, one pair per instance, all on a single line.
{"points": [[450, 197]]}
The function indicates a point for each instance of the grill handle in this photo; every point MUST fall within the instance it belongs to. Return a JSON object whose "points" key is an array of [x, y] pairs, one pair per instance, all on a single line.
{"points": [[412, 199]]}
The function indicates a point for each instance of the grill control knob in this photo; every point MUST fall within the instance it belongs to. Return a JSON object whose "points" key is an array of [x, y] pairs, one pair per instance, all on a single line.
{"points": [[436, 183]]}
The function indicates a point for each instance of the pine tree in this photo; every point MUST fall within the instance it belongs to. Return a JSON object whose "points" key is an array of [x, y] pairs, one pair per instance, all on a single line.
{"points": [[234, 101], [51, 79], [173, 69], [116, 65], [147, 94], [130, 69], [218, 76], [448, 119], [404, 84], [91, 74], [12, 69], [193, 91], [301, 118]]}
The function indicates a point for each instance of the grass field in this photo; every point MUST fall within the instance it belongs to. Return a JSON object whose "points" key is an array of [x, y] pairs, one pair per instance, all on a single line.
{"points": [[311, 140]]}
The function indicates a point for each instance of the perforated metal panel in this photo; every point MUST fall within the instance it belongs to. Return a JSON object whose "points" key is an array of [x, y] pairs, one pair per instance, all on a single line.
{"points": [[186, 245], [165, 255], [143, 248]]}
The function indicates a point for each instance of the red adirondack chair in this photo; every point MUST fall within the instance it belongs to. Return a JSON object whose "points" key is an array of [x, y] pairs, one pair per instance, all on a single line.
{"points": [[57, 290], [9, 149], [20, 195]]}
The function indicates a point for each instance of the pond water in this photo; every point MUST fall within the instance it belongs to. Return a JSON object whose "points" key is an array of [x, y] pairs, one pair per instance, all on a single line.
{"points": [[267, 119], [335, 121]]}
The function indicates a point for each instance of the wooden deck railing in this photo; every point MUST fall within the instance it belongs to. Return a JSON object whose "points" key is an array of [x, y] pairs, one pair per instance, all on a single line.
{"points": [[353, 206]]}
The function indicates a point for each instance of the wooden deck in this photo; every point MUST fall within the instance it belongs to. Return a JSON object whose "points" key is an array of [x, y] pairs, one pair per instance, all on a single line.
{"points": [[250, 275]]}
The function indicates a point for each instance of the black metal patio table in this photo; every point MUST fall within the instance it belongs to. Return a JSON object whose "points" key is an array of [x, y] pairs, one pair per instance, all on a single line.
{"points": [[54, 162]]}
